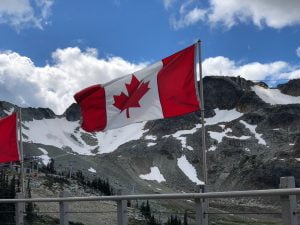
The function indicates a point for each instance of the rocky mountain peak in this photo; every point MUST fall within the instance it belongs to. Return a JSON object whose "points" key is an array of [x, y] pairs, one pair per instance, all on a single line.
{"points": [[292, 87], [252, 132]]}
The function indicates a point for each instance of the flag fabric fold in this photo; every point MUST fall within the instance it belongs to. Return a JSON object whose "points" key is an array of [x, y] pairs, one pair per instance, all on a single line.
{"points": [[8, 139], [162, 90]]}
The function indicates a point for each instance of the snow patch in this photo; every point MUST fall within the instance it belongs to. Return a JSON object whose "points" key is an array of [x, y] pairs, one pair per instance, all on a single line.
{"points": [[247, 149], [151, 144], [151, 137], [57, 132], [222, 126], [61, 133], [217, 135], [190, 148], [223, 116], [153, 175], [212, 148], [252, 129], [188, 169], [10, 111], [220, 135], [274, 96], [45, 158], [92, 170], [178, 136], [110, 140]]}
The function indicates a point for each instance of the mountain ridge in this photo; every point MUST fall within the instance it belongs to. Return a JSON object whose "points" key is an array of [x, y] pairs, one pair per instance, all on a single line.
{"points": [[251, 141]]}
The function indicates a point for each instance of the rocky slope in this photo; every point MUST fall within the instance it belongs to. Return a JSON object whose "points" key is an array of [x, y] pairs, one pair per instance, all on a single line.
{"points": [[252, 135]]}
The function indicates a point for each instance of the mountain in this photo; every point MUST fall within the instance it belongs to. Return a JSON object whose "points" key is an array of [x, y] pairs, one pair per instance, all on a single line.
{"points": [[252, 136]]}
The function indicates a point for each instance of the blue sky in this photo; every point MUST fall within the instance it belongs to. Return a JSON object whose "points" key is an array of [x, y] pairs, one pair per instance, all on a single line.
{"points": [[50, 49]]}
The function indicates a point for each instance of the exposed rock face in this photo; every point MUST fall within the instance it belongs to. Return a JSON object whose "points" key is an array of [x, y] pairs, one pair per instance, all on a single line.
{"points": [[291, 88], [250, 142], [72, 113]]}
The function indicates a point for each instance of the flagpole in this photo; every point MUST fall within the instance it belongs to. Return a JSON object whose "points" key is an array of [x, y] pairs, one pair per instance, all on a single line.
{"points": [[200, 90], [21, 150]]}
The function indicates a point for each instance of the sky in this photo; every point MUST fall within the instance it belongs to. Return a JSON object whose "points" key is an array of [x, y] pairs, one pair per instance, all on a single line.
{"points": [[51, 49]]}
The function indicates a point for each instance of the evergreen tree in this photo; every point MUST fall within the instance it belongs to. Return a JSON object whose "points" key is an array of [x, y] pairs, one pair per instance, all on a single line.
{"points": [[173, 220], [50, 167], [7, 190], [185, 218], [30, 215]]}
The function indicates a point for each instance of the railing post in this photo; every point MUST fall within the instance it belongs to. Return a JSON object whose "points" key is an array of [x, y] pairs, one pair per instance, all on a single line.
{"points": [[63, 209], [201, 207], [20, 208], [288, 202], [122, 211]]}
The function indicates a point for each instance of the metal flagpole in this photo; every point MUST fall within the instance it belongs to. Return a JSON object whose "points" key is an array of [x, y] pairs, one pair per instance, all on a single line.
{"points": [[21, 150], [200, 90]]}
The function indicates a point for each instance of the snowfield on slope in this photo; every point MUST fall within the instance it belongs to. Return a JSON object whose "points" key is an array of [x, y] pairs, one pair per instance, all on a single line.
{"points": [[223, 116], [154, 174], [252, 129], [274, 96], [61, 133], [45, 158], [188, 169], [220, 117], [218, 136]]}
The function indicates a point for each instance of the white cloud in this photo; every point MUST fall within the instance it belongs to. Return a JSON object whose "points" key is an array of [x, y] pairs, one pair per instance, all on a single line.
{"points": [[298, 51], [168, 3], [53, 86], [272, 13], [222, 66], [24, 13], [188, 18]]}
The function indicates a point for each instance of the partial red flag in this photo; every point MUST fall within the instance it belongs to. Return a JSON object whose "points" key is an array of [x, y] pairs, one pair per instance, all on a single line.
{"points": [[8, 139], [162, 90]]}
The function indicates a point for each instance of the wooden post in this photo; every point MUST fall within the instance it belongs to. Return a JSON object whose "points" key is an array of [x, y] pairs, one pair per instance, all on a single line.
{"points": [[288, 202], [20, 208], [63, 209], [201, 207], [122, 211]]}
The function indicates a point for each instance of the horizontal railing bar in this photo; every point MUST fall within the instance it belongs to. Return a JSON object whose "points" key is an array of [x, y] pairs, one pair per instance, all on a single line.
{"points": [[175, 213], [241, 213], [229, 194], [39, 212], [96, 212]]}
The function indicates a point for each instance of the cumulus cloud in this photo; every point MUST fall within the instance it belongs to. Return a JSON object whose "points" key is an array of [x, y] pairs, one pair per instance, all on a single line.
{"points": [[53, 86], [222, 66], [24, 13], [184, 14], [72, 69], [188, 18], [298, 51], [272, 13]]}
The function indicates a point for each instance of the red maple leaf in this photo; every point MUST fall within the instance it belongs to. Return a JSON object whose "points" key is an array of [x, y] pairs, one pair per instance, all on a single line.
{"points": [[136, 90]]}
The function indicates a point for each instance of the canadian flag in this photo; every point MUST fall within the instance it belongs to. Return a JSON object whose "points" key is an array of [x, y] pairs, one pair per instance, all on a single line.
{"points": [[8, 139], [165, 89]]}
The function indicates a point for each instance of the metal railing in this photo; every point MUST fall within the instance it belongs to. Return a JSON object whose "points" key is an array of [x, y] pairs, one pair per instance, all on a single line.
{"points": [[287, 193]]}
